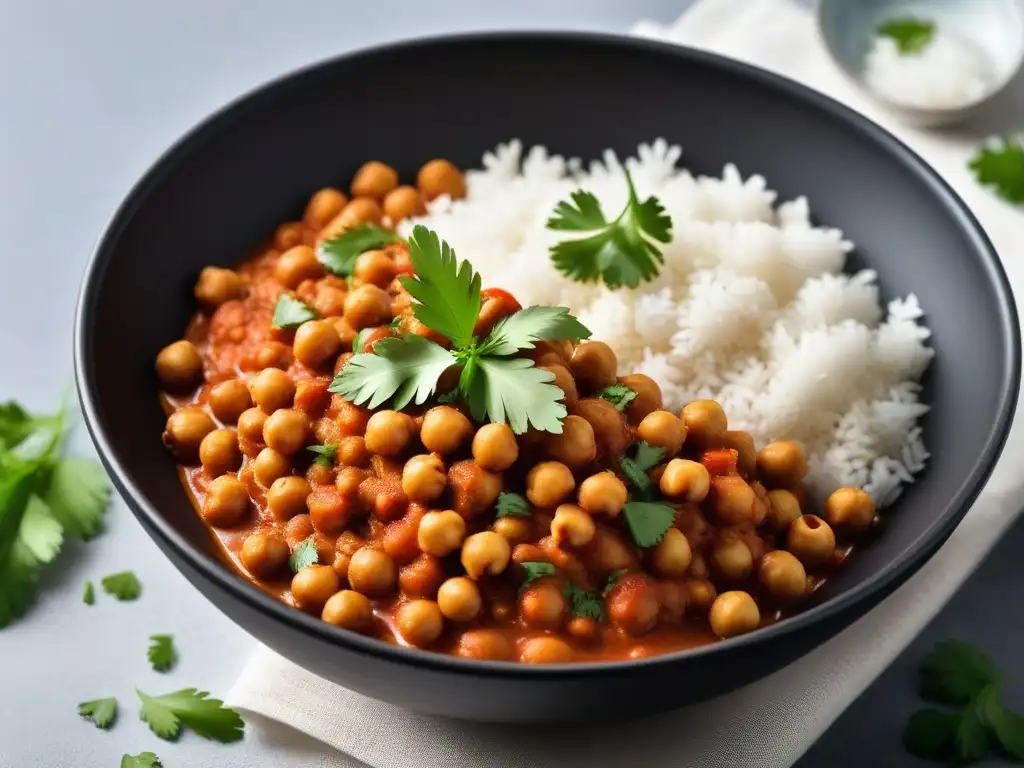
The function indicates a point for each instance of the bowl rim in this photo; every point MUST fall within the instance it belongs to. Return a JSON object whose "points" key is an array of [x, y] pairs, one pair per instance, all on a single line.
{"points": [[860, 595]]}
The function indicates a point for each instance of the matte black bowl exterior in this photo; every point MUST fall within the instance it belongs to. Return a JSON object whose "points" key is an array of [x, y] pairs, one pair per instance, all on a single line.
{"points": [[221, 189]]}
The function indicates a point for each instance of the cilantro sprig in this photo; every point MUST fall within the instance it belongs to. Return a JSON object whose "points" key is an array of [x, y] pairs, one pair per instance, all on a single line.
{"points": [[102, 712], [584, 604], [304, 555], [495, 386], [620, 252], [339, 254], [290, 312], [324, 453], [1000, 165], [618, 395], [646, 517], [512, 505], [141, 760], [188, 707], [122, 586], [911, 34], [161, 653]]}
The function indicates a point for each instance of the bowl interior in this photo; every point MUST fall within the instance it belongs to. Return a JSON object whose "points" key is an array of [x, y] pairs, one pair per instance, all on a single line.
{"points": [[222, 190]]}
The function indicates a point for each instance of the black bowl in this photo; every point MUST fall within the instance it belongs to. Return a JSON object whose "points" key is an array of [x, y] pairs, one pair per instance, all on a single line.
{"points": [[220, 190]]}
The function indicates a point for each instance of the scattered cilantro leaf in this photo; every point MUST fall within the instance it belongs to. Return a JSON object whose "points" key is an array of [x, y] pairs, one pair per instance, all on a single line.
{"points": [[1001, 166], [162, 654], [123, 586], [955, 673], [324, 453], [618, 395], [929, 734], [357, 342], [648, 521], [40, 531], [290, 312], [141, 760], [911, 34], [500, 389], [446, 292], [338, 255], [207, 717], [88, 593], [527, 326], [535, 570], [1007, 727], [645, 457], [102, 712], [305, 554], [970, 739], [512, 505], [78, 495], [15, 424], [620, 252], [613, 577], [406, 369], [583, 604]]}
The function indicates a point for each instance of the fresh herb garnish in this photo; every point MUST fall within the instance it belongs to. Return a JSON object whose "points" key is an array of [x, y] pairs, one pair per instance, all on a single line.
{"points": [[357, 342], [290, 312], [88, 593], [613, 577], [207, 717], [496, 387], [102, 712], [646, 517], [338, 255], [648, 521], [324, 453], [645, 457], [959, 675], [161, 653], [304, 555], [533, 571], [44, 499], [620, 252], [123, 586], [1000, 165], [583, 604], [911, 34], [141, 760], [512, 505], [396, 323], [618, 395]]}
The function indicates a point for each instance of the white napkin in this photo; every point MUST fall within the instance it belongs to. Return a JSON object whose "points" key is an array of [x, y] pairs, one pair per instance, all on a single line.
{"points": [[746, 727]]}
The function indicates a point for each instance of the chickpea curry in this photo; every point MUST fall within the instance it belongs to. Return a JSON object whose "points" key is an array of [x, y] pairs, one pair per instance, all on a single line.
{"points": [[375, 440]]}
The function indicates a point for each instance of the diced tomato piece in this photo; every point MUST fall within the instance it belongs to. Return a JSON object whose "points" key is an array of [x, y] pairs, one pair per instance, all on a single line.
{"points": [[723, 461]]}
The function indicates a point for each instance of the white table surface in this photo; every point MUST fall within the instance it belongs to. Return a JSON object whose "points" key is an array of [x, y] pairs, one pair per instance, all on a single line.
{"points": [[90, 93]]}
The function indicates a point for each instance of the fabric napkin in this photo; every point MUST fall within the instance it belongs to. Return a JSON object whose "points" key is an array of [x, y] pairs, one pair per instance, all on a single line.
{"points": [[746, 727]]}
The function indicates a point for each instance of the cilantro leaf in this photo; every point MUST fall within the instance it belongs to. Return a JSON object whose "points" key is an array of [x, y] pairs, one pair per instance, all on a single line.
{"points": [[583, 604], [512, 505], [41, 533], [970, 739], [305, 554], [141, 760], [911, 34], [613, 577], [290, 312], [88, 593], [162, 654], [19, 567], [954, 673], [357, 342], [208, 717], [622, 252], [929, 734], [635, 468], [447, 292], [500, 389], [102, 712], [1001, 166], [648, 521], [15, 424], [618, 395], [535, 570], [338, 255], [20, 570], [1006, 726], [78, 495], [324, 453], [406, 369], [123, 586], [528, 326]]}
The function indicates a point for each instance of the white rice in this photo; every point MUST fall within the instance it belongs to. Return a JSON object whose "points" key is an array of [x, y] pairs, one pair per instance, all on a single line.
{"points": [[751, 308], [949, 72]]}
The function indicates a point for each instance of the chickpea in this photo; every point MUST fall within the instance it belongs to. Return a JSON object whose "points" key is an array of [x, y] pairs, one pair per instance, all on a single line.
{"points": [[345, 546], [421, 577], [606, 553], [272, 354], [424, 478], [419, 622], [440, 177], [672, 555], [367, 306], [633, 604], [485, 553], [226, 502], [287, 496], [648, 396], [376, 268], [781, 464], [360, 210], [672, 595], [602, 494], [389, 433], [297, 264], [286, 430], [298, 529], [494, 447], [229, 400], [251, 423], [548, 483], [349, 610], [445, 429], [783, 575], [731, 559], [488, 644], [575, 446], [663, 429], [545, 650], [572, 525], [269, 466], [784, 509], [264, 553], [372, 572], [700, 594], [565, 382], [287, 235], [542, 604], [473, 489], [850, 509], [316, 342], [733, 499], [352, 452], [179, 366], [218, 286], [593, 365], [811, 539], [329, 510], [734, 613], [686, 480], [743, 444], [705, 421], [609, 427], [219, 452], [348, 481], [516, 530], [459, 599], [403, 203], [185, 431], [584, 628], [323, 206], [313, 586], [272, 389], [374, 179]]}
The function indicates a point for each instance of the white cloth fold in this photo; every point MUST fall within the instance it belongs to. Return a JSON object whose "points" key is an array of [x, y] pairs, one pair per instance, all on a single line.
{"points": [[746, 728]]}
